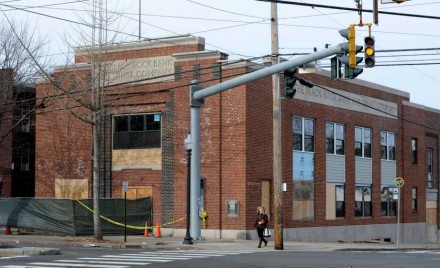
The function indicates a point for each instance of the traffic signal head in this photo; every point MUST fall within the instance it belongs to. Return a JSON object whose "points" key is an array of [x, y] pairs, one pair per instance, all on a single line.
{"points": [[289, 83], [336, 67], [349, 58], [351, 73], [369, 52]]}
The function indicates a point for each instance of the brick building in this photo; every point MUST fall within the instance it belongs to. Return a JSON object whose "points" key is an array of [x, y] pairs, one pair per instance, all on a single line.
{"points": [[6, 112], [17, 137], [344, 143]]}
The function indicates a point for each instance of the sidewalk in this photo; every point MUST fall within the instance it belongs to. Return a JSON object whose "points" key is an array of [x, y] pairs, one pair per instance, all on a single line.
{"points": [[49, 244]]}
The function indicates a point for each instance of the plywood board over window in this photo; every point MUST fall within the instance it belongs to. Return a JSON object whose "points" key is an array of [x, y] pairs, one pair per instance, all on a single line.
{"points": [[136, 192], [71, 188]]}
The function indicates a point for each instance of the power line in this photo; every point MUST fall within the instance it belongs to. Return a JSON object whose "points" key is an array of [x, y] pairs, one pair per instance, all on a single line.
{"points": [[351, 9], [132, 95], [226, 11], [133, 83], [373, 108]]}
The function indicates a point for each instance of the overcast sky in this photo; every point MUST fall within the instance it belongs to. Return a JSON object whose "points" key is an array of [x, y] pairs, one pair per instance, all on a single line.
{"points": [[241, 28]]}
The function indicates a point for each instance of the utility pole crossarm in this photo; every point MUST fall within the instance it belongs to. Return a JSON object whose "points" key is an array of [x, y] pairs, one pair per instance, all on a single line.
{"points": [[212, 90]]}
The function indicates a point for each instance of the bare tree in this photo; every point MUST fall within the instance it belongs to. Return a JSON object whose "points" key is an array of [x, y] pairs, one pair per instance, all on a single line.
{"points": [[17, 41], [13, 37], [82, 92]]}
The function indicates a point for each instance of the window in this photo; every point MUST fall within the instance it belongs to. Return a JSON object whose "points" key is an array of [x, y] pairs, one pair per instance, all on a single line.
{"points": [[340, 201], [73, 82], [362, 143], [137, 131], [430, 168], [363, 203], [388, 145], [414, 198], [26, 118], [24, 160], [216, 70], [196, 72], [303, 134], [335, 143], [388, 204], [414, 150], [177, 73]]}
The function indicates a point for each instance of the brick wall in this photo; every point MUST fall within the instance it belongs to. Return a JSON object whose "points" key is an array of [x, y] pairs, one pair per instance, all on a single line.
{"points": [[6, 113], [236, 143]]}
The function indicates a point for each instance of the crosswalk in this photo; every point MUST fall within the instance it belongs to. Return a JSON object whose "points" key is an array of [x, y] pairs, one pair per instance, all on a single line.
{"points": [[431, 252], [128, 260]]}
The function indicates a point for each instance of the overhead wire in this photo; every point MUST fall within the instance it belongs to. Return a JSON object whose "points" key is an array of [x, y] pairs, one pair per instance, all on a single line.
{"points": [[371, 107], [257, 22], [410, 65], [149, 39], [137, 94], [133, 83]]}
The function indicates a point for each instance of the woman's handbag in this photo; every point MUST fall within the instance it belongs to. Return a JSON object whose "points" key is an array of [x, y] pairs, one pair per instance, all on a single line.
{"points": [[266, 232]]}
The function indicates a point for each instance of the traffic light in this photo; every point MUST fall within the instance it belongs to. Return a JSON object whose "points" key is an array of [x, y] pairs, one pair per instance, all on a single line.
{"points": [[369, 52], [336, 68], [351, 73], [350, 48], [289, 83]]}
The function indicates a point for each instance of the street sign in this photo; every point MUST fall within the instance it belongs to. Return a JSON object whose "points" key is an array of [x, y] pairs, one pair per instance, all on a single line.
{"points": [[125, 186], [399, 182]]}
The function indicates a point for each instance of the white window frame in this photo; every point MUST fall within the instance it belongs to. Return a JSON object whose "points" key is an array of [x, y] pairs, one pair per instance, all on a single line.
{"points": [[303, 133], [335, 138], [388, 134], [363, 142]]}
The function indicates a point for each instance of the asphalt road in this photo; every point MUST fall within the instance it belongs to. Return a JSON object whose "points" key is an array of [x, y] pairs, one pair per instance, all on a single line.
{"points": [[128, 258]]}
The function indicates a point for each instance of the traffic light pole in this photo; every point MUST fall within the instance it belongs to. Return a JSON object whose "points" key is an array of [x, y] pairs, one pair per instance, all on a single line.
{"points": [[197, 96]]}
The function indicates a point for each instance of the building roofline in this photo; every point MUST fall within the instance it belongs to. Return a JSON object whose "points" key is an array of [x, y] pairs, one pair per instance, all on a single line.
{"points": [[199, 55], [420, 106], [145, 44], [369, 85]]}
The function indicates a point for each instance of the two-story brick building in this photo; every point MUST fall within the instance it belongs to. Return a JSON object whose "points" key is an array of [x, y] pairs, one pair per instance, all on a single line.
{"points": [[344, 143]]}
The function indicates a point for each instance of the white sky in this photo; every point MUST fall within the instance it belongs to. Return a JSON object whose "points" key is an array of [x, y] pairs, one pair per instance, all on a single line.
{"points": [[241, 28]]}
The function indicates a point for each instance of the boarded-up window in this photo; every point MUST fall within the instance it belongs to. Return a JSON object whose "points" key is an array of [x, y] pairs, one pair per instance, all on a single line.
{"points": [[136, 192], [71, 188]]}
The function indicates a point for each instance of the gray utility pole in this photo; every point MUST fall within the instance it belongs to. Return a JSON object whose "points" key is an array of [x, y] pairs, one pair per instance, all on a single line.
{"points": [[140, 20], [197, 96], [277, 163]]}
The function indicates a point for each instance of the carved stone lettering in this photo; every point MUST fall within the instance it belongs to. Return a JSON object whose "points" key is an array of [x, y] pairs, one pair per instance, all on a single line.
{"points": [[346, 100], [139, 71]]}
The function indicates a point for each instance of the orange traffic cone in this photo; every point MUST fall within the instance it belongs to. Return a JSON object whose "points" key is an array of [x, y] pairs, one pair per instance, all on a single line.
{"points": [[146, 229], [157, 233], [7, 230]]}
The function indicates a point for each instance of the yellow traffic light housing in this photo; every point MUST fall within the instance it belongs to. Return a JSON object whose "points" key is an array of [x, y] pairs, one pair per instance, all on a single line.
{"points": [[349, 56], [369, 52]]}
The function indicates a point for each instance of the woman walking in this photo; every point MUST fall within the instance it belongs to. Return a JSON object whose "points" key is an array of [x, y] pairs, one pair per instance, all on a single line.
{"points": [[261, 223]]}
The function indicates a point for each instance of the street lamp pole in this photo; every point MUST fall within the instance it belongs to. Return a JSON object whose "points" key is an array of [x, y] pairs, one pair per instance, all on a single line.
{"points": [[188, 144]]}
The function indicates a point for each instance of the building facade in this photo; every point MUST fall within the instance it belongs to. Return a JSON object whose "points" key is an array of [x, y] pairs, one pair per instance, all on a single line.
{"points": [[17, 137], [344, 144]]}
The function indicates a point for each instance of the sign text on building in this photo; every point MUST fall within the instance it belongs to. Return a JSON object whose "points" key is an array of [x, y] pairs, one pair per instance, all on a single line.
{"points": [[140, 71]]}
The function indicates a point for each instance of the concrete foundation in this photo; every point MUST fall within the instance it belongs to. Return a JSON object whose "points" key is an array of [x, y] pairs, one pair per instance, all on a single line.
{"points": [[410, 233]]}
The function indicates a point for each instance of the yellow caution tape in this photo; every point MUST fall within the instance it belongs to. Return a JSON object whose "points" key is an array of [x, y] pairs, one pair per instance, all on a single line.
{"points": [[128, 226]]}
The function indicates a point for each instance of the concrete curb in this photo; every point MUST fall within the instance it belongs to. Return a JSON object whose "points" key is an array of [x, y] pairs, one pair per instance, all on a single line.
{"points": [[29, 251], [50, 244]]}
